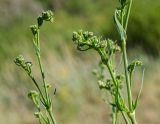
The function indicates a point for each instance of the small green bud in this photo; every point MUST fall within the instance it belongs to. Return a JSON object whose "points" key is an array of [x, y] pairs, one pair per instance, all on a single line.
{"points": [[123, 2], [117, 48], [132, 66], [19, 60], [27, 67], [87, 34], [48, 86], [33, 95], [29, 64], [40, 21], [120, 77], [34, 29], [90, 34], [75, 36], [47, 16], [101, 84]]}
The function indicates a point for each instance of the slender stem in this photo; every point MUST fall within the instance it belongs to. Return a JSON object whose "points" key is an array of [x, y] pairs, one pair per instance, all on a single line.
{"points": [[41, 67], [116, 116], [105, 61], [125, 60], [128, 14], [122, 19], [34, 81], [113, 118], [44, 82], [51, 116], [125, 118], [112, 75], [113, 115], [43, 76], [133, 118], [43, 118]]}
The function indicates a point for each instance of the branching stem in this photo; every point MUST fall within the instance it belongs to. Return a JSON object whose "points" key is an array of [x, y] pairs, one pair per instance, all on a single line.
{"points": [[125, 60]]}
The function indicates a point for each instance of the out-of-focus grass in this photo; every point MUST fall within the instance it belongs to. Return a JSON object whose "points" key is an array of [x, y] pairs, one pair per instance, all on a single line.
{"points": [[78, 99]]}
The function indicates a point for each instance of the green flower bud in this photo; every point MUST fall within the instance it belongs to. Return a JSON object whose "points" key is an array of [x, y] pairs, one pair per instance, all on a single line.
{"points": [[75, 36], [40, 21], [34, 29], [123, 2], [29, 64], [47, 16], [101, 84], [48, 86], [19, 60], [87, 34], [132, 66], [33, 95]]}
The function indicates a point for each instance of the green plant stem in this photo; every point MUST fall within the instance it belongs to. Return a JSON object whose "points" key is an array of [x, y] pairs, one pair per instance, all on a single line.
{"points": [[44, 82], [51, 116], [105, 61], [43, 76], [113, 118], [112, 75], [114, 115], [122, 19], [133, 118], [128, 14], [41, 67], [34, 81], [125, 118], [125, 60]]}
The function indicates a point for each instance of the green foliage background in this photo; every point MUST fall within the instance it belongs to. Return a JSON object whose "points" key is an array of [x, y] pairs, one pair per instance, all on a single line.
{"points": [[78, 99]]}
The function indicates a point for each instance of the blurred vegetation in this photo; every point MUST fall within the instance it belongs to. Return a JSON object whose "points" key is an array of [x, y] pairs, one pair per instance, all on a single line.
{"points": [[90, 14], [78, 97], [144, 25]]}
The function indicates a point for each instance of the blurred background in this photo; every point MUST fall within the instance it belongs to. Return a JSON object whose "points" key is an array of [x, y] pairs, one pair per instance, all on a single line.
{"points": [[78, 98]]}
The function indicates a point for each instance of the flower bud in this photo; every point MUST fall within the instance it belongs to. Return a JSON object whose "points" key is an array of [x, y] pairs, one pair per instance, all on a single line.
{"points": [[101, 84], [34, 97], [47, 16], [34, 29], [75, 36], [29, 64], [32, 94], [19, 60], [134, 64], [40, 21]]}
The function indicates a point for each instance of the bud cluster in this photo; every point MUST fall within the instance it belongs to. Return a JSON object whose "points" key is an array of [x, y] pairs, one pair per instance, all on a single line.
{"points": [[46, 16], [134, 64], [20, 61], [87, 40]]}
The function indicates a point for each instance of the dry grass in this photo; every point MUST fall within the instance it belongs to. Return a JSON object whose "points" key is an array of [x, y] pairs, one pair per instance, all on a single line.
{"points": [[78, 99]]}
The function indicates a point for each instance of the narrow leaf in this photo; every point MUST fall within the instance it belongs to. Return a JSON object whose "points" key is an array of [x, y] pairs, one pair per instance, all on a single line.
{"points": [[120, 28], [142, 82]]}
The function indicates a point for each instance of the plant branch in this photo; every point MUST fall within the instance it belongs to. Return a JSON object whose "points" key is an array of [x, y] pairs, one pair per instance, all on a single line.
{"points": [[125, 60], [128, 14]]}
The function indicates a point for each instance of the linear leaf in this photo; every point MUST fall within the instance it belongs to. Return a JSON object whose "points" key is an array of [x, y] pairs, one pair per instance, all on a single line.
{"points": [[142, 82], [120, 28]]}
